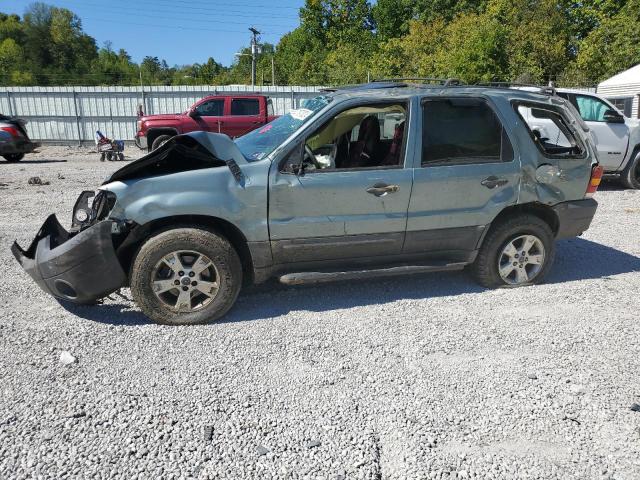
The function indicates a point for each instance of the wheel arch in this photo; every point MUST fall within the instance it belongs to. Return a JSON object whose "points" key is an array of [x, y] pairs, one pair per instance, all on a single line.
{"points": [[540, 210], [129, 248], [155, 132]]}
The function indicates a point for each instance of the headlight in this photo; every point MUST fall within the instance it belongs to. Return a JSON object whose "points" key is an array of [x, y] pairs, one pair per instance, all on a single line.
{"points": [[92, 207], [81, 215]]}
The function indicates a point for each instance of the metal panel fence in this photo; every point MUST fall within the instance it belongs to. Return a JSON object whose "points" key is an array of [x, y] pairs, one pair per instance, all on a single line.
{"points": [[73, 114]]}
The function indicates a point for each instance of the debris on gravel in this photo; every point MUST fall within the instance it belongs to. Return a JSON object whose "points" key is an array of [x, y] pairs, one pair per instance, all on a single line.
{"points": [[66, 358], [635, 407], [37, 181], [409, 377]]}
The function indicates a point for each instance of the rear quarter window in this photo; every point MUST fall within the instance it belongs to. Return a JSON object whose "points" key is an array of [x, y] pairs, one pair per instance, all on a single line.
{"points": [[550, 130]]}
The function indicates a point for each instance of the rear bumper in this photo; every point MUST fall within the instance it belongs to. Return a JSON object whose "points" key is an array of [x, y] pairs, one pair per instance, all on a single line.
{"points": [[17, 146], [575, 217], [80, 268]]}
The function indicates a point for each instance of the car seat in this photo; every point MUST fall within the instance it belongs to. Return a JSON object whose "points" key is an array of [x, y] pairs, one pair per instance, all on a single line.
{"points": [[364, 151], [393, 157]]}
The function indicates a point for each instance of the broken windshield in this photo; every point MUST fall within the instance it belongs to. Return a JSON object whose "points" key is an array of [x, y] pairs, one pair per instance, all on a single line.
{"points": [[259, 143]]}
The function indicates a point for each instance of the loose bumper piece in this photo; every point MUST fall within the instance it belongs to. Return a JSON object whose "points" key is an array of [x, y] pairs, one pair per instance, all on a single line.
{"points": [[80, 268]]}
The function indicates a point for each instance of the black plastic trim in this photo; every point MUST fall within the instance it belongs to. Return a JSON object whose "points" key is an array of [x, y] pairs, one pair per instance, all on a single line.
{"points": [[80, 268], [574, 217]]}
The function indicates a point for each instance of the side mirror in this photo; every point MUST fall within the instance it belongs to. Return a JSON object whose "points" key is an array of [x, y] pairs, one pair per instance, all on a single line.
{"points": [[611, 116], [193, 113]]}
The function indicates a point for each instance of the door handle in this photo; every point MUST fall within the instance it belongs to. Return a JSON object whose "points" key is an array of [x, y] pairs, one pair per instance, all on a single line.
{"points": [[380, 189], [493, 182]]}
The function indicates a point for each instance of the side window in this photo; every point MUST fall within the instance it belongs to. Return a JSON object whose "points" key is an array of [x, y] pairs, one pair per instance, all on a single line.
{"points": [[364, 137], [462, 131], [211, 108], [245, 106], [624, 104], [549, 130], [591, 108]]}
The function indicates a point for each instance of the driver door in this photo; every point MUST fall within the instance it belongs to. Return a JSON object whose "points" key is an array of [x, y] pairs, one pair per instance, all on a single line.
{"points": [[337, 213], [209, 115]]}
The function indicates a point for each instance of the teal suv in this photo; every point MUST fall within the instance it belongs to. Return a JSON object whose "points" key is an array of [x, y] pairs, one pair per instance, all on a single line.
{"points": [[380, 179]]}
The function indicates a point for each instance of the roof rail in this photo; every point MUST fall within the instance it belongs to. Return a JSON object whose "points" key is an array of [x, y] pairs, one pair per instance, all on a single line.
{"points": [[549, 90], [367, 86], [445, 82]]}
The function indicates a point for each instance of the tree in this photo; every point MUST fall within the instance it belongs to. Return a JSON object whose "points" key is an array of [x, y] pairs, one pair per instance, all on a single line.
{"points": [[610, 48], [391, 18]]}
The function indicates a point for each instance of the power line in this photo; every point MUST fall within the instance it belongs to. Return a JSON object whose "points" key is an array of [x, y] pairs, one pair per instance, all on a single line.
{"points": [[218, 14], [169, 27]]}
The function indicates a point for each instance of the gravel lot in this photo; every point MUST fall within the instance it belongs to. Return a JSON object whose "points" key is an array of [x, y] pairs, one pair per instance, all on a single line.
{"points": [[415, 377]]}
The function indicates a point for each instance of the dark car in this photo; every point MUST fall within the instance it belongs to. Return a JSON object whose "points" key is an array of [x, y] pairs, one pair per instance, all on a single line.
{"points": [[14, 141]]}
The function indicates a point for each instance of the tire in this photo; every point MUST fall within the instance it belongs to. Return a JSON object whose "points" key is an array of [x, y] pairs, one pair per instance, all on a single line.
{"points": [[14, 157], [151, 264], [515, 229], [158, 142], [121, 156], [630, 176]]}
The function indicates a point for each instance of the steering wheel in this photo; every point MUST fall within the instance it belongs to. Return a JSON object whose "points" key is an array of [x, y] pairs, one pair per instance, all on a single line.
{"points": [[312, 157]]}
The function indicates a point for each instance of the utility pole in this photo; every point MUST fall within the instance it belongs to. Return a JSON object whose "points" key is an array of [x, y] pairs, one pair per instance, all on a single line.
{"points": [[254, 54], [273, 72]]}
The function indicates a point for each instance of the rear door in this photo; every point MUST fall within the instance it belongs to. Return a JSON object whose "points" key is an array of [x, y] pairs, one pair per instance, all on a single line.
{"points": [[612, 139], [245, 114], [465, 174]]}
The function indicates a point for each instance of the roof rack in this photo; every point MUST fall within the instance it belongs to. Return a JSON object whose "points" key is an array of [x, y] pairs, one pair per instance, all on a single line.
{"points": [[548, 90], [444, 82], [367, 86]]}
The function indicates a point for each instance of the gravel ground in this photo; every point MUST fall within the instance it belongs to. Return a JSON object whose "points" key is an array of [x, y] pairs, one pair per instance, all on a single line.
{"points": [[415, 377]]}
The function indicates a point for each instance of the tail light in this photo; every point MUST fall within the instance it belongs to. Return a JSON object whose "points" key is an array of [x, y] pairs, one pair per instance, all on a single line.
{"points": [[14, 132], [594, 182]]}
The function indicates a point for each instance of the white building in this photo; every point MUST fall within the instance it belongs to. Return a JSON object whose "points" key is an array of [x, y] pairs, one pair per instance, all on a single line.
{"points": [[623, 90]]}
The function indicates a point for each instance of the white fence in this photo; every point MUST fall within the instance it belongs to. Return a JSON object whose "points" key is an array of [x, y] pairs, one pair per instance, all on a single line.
{"points": [[73, 114]]}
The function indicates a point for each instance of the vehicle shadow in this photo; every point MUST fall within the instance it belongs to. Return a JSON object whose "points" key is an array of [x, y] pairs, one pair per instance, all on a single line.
{"points": [[23, 162], [576, 259]]}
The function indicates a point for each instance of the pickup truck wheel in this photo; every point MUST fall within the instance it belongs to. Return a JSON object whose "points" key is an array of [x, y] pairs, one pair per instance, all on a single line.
{"points": [[186, 276], [631, 174], [517, 251], [14, 157], [158, 142]]}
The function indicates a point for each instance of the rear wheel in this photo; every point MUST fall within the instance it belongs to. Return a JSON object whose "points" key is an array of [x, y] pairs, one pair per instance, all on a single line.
{"points": [[518, 251], [158, 142], [186, 276], [631, 174], [14, 157]]}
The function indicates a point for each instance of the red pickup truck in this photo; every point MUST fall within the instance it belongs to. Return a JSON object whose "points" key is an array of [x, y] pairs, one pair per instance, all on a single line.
{"points": [[234, 115]]}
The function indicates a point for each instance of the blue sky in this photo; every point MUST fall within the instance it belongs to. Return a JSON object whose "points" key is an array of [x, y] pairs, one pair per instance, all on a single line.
{"points": [[179, 31]]}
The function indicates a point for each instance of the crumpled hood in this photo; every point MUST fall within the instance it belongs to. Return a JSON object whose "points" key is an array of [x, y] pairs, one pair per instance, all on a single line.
{"points": [[191, 151]]}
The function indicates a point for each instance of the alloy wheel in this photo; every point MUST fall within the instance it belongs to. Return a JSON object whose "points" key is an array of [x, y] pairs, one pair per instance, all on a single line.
{"points": [[521, 260], [185, 281]]}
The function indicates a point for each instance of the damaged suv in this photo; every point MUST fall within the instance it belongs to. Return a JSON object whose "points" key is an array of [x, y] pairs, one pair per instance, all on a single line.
{"points": [[380, 179]]}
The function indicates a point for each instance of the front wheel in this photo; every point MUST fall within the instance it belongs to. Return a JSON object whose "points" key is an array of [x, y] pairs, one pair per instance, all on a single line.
{"points": [[631, 174], [186, 276], [161, 140], [518, 251], [14, 157]]}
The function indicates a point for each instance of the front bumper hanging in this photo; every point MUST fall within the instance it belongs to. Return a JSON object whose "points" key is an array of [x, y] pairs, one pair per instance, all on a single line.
{"points": [[80, 268]]}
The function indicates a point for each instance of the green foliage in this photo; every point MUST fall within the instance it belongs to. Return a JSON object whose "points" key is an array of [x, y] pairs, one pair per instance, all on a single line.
{"points": [[612, 47], [349, 41]]}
